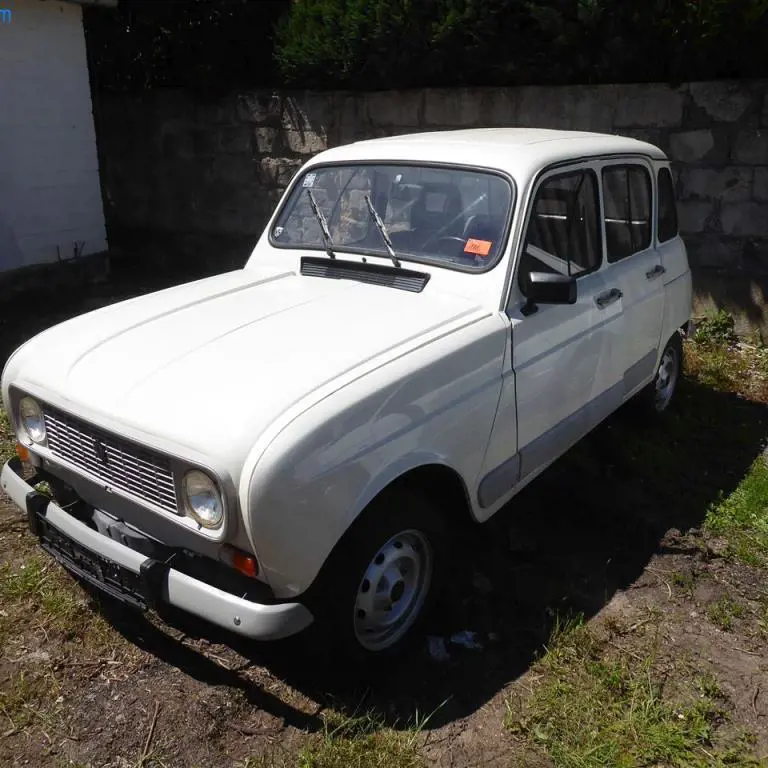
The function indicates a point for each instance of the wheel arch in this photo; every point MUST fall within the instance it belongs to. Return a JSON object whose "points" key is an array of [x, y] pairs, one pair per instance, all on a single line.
{"points": [[441, 482], [444, 484]]}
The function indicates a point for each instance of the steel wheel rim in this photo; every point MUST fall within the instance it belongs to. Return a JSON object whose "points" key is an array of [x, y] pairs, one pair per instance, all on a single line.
{"points": [[392, 591], [666, 378]]}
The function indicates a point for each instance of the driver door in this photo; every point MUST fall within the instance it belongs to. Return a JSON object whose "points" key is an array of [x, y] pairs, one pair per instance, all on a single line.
{"points": [[564, 371]]}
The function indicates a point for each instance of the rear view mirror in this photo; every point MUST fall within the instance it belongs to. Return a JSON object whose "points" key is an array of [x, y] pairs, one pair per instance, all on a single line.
{"points": [[549, 288]]}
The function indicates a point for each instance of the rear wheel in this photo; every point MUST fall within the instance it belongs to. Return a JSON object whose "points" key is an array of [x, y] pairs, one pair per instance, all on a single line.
{"points": [[657, 396]]}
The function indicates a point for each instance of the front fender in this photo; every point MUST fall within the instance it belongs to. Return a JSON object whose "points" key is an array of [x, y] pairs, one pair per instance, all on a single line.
{"points": [[301, 492]]}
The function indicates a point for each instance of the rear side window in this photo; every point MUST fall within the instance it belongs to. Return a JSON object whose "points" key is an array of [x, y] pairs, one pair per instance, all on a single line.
{"points": [[627, 198], [563, 230], [667, 207]]}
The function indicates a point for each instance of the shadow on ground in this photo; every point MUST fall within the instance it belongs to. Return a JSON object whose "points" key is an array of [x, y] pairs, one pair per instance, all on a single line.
{"points": [[582, 531]]}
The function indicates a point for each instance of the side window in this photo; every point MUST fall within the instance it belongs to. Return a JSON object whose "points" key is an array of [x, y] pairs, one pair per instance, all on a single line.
{"points": [[563, 232], [667, 207], [627, 200]]}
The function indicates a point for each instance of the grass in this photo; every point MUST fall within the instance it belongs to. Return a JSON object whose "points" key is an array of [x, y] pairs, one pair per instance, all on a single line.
{"points": [[717, 361], [716, 329], [590, 708], [15, 698], [352, 742], [362, 742], [762, 620], [729, 366], [742, 517], [723, 611], [45, 617], [38, 590], [684, 581], [7, 440]]}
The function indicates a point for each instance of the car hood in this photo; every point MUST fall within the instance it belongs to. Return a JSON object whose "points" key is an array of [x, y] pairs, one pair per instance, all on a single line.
{"points": [[210, 364]]}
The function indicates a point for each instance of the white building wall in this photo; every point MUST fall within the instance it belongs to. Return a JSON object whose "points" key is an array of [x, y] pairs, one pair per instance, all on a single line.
{"points": [[50, 195]]}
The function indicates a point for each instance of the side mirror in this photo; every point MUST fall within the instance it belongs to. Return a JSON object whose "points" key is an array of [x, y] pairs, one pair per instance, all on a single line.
{"points": [[549, 288]]}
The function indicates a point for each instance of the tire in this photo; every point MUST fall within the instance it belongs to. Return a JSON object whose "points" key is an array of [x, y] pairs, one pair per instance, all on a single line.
{"points": [[657, 396], [375, 592]]}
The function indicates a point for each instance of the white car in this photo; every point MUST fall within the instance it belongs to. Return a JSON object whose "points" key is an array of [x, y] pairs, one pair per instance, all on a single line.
{"points": [[426, 324]]}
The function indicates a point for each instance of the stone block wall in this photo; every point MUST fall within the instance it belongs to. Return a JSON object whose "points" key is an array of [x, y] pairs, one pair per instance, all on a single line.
{"points": [[176, 166]]}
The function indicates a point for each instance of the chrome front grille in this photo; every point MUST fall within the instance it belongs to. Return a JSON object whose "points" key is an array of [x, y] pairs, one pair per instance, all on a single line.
{"points": [[116, 462]]}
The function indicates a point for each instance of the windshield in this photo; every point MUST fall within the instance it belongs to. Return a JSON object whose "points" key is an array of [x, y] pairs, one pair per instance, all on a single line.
{"points": [[452, 216]]}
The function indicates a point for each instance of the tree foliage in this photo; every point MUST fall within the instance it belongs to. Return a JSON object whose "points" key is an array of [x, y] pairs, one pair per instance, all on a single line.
{"points": [[198, 44], [366, 44], [400, 43]]}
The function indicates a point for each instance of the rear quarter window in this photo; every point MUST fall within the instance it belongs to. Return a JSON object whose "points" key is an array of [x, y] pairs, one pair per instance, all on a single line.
{"points": [[667, 213]]}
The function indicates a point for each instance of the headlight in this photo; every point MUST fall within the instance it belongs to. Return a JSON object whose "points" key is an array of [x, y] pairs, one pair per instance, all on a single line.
{"points": [[202, 499], [31, 420]]}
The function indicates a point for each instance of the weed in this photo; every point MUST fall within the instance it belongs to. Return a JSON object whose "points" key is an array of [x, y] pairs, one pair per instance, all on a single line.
{"points": [[716, 329], [588, 710], [272, 760], [684, 581], [7, 439], [38, 586], [762, 621], [14, 698], [708, 686], [361, 741], [724, 611], [742, 517], [717, 367]]}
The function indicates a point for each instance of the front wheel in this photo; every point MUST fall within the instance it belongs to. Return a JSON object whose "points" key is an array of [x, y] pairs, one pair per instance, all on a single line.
{"points": [[393, 590], [375, 592]]}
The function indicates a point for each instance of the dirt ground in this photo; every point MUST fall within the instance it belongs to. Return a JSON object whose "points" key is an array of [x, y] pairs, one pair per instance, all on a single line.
{"points": [[613, 532]]}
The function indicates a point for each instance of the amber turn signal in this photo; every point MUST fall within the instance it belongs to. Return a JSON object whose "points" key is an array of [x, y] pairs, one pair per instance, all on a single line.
{"points": [[240, 561], [22, 452]]}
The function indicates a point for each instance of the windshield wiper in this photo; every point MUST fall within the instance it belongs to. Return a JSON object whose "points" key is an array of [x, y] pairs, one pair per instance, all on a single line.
{"points": [[384, 234], [326, 233]]}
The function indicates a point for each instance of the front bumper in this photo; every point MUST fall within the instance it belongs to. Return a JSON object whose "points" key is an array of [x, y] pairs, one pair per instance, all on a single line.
{"points": [[139, 580]]}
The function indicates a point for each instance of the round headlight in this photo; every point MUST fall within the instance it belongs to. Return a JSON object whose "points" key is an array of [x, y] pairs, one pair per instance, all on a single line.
{"points": [[31, 420], [202, 499]]}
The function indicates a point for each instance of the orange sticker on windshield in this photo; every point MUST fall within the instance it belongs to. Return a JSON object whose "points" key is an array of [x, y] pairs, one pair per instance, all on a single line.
{"points": [[478, 247]]}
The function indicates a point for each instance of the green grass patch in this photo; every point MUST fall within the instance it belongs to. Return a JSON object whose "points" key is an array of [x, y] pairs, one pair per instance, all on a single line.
{"points": [[7, 438], [742, 517], [724, 611], [20, 695], [718, 366], [37, 590], [684, 581], [591, 707], [351, 742], [717, 328], [728, 366], [363, 742]]}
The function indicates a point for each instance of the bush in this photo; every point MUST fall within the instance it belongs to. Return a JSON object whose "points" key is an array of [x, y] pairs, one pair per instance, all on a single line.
{"points": [[401, 43], [717, 329], [370, 44]]}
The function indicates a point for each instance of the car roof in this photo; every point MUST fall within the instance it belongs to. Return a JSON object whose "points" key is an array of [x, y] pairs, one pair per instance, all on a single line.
{"points": [[516, 150]]}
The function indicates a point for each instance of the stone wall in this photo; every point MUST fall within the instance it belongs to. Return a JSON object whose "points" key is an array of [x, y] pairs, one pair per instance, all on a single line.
{"points": [[176, 167]]}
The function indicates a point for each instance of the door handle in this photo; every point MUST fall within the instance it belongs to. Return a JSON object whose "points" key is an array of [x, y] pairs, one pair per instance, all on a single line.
{"points": [[657, 271], [607, 298]]}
